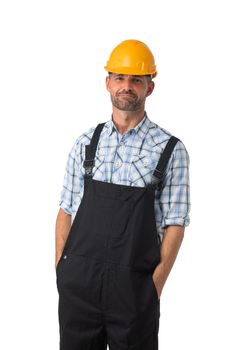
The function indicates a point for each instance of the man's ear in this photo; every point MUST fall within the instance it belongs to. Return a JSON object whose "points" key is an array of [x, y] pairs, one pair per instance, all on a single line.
{"points": [[107, 81], [150, 89]]}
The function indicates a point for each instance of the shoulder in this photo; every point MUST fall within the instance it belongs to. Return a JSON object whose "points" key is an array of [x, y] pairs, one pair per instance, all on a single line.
{"points": [[86, 136], [83, 139], [158, 138]]}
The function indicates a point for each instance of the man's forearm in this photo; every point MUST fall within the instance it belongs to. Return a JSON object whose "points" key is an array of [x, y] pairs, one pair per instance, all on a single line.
{"points": [[170, 246], [63, 224]]}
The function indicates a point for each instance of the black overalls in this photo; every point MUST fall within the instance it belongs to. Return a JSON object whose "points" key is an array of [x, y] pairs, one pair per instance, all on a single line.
{"points": [[104, 276]]}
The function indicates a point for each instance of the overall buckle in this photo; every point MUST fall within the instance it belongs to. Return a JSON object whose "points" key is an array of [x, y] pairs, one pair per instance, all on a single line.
{"points": [[88, 165]]}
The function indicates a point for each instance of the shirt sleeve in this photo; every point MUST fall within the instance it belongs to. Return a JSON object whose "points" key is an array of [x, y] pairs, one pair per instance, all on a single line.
{"points": [[73, 180], [175, 194]]}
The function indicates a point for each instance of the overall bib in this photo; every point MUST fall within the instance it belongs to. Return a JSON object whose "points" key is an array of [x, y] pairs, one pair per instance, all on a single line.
{"points": [[107, 295]]}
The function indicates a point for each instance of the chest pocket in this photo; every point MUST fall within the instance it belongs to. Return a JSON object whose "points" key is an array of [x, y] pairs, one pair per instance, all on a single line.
{"points": [[141, 170]]}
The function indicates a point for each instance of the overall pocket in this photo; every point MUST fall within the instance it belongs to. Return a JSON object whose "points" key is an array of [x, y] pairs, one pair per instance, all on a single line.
{"points": [[60, 262], [154, 287]]}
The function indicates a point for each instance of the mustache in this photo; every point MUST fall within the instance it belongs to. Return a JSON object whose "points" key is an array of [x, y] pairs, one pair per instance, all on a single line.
{"points": [[124, 92]]}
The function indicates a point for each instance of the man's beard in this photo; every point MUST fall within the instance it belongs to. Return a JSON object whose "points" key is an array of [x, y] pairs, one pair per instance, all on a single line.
{"points": [[128, 104]]}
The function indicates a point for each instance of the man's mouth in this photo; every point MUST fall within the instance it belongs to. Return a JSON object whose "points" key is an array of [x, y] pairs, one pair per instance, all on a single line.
{"points": [[127, 95]]}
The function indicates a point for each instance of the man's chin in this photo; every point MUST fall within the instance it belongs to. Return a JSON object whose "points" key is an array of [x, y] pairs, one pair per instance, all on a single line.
{"points": [[126, 108], [126, 105]]}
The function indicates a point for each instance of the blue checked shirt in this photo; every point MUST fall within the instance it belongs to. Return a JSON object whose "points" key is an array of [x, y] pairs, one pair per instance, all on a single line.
{"points": [[130, 159]]}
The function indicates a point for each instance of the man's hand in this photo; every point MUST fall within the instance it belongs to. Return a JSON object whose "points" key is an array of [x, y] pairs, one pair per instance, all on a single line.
{"points": [[56, 262], [158, 286], [63, 225], [170, 246]]}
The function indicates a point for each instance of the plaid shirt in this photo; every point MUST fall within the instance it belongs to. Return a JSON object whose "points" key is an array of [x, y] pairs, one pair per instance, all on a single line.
{"points": [[130, 159]]}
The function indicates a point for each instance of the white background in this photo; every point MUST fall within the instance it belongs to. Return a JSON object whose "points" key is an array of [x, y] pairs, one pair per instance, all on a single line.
{"points": [[52, 89]]}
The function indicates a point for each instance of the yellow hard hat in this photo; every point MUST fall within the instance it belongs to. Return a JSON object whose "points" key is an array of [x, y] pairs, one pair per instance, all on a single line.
{"points": [[132, 57]]}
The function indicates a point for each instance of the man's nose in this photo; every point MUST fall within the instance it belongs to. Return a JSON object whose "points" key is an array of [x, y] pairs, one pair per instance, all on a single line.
{"points": [[127, 84]]}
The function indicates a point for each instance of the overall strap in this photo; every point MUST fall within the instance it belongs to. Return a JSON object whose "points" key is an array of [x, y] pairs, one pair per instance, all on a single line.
{"points": [[90, 150], [163, 161]]}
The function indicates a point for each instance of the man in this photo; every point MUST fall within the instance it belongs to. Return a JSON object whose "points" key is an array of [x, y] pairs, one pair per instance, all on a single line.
{"points": [[123, 211]]}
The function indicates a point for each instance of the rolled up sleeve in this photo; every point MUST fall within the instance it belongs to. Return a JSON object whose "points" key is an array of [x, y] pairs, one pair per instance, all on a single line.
{"points": [[72, 183], [175, 195]]}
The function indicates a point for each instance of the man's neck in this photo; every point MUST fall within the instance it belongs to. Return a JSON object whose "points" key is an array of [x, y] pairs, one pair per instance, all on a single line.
{"points": [[125, 120]]}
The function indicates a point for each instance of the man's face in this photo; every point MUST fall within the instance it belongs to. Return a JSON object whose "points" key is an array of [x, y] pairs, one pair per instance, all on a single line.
{"points": [[129, 92]]}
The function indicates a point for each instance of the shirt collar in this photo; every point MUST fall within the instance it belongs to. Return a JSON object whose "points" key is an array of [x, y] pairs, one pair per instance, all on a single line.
{"points": [[140, 129]]}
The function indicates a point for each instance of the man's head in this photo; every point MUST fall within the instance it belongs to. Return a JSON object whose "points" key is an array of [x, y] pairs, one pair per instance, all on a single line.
{"points": [[131, 68]]}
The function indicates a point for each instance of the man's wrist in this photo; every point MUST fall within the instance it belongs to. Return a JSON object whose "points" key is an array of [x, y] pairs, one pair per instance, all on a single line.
{"points": [[58, 257], [159, 277]]}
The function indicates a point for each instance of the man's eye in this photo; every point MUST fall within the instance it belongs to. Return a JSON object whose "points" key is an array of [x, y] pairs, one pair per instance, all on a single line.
{"points": [[137, 80], [119, 78]]}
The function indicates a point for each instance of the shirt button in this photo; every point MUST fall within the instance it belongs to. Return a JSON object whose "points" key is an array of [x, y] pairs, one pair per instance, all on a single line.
{"points": [[65, 257]]}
